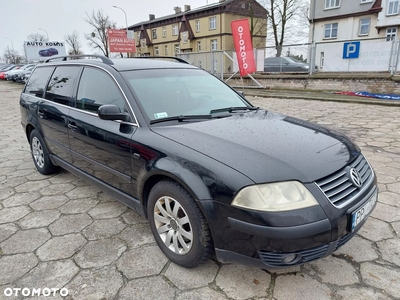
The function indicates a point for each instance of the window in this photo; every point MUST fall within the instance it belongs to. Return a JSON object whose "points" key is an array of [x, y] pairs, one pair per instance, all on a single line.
{"points": [[213, 23], [143, 43], [175, 30], [177, 49], [37, 81], [393, 7], [197, 25], [61, 85], [184, 37], [164, 32], [366, 1], [97, 88], [364, 26], [154, 33], [214, 45], [391, 33], [332, 4], [166, 50], [198, 46], [331, 30], [322, 60], [156, 51], [199, 63]]}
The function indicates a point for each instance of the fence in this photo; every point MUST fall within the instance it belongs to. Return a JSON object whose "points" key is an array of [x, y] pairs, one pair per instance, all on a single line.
{"points": [[366, 55]]}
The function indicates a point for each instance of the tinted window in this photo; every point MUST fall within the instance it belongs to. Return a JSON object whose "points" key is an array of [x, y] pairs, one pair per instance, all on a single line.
{"points": [[97, 88], [37, 81], [61, 85]]}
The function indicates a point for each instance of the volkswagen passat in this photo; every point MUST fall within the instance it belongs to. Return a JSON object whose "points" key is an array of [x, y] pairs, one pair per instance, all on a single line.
{"points": [[211, 172]]}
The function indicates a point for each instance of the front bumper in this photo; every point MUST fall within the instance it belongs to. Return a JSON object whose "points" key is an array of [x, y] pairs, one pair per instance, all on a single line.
{"points": [[281, 240]]}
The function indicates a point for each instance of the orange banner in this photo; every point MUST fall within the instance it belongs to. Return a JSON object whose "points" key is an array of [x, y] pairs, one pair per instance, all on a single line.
{"points": [[118, 41], [243, 46]]}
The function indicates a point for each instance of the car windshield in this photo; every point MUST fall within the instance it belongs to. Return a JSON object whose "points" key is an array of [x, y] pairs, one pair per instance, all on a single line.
{"points": [[164, 93]]}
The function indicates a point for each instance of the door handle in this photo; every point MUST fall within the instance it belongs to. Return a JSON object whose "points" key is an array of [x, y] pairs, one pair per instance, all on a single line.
{"points": [[73, 127]]}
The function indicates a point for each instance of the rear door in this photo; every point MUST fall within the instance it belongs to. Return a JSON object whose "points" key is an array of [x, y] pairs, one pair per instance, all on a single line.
{"points": [[99, 147], [53, 111]]}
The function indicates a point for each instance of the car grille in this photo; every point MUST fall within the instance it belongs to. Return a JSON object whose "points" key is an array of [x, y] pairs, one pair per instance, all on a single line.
{"points": [[339, 188]]}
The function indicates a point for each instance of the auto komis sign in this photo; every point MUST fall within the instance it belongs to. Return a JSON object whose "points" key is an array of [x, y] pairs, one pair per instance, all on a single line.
{"points": [[37, 51]]}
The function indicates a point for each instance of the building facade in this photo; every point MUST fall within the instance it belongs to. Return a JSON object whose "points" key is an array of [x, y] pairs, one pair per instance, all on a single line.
{"points": [[355, 35], [202, 29], [354, 19]]}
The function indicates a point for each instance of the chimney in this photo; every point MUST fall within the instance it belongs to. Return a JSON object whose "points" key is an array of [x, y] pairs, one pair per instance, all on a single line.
{"points": [[152, 17], [187, 7], [177, 9]]}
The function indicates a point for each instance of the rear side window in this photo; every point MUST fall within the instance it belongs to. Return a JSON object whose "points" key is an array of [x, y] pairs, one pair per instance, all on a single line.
{"points": [[61, 85], [97, 88], [37, 81]]}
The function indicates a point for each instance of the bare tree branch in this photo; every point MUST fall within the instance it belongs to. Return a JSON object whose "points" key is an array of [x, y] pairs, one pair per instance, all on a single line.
{"points": [[287, 22], [36, 37], [98, 38], [73, 41]]}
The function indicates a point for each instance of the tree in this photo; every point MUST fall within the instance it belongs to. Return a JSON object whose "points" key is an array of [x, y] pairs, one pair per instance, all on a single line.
{"points": [[288, 21], [98, 39], [36, 37], [73, 41], [12, 56]]}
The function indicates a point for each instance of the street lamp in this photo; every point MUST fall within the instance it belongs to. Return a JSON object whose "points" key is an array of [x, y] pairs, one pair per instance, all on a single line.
{"points": [[47, 34], [12, 45], [126, 19]]}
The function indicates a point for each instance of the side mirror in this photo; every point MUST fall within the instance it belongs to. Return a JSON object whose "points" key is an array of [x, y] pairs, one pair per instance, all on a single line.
{"points": [[113, 113]]}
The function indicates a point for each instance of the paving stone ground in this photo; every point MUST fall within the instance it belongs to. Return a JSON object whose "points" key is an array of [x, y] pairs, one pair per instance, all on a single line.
{"points": [[59, 232]]}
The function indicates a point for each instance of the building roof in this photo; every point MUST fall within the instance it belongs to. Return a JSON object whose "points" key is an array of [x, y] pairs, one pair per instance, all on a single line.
{"points": [[179, 15]]}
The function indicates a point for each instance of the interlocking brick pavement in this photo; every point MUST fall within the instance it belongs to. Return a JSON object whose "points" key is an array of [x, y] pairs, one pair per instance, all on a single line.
{"points": [[59, 232]]}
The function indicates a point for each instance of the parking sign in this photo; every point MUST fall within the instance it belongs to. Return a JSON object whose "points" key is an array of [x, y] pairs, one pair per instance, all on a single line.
{"points": [[351, 50]]}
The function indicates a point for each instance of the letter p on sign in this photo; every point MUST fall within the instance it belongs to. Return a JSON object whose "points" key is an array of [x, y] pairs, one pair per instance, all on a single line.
{"points": [[351, 50]]}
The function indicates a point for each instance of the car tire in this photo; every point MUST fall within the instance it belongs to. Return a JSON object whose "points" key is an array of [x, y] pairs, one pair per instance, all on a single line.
{"points": [[40, 154], [178, 225]]}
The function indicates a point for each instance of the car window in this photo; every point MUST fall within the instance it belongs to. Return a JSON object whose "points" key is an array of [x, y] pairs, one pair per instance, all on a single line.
{"points": [[61, 84], [97, 88], [37, 81], [173, 92]]}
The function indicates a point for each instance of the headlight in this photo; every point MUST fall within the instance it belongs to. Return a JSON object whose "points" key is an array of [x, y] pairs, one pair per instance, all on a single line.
{"points": [[279, 196]]}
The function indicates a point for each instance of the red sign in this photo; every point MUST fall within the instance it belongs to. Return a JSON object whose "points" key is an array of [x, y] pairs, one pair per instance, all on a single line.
{"points": [[243, 46], [118, 41]]}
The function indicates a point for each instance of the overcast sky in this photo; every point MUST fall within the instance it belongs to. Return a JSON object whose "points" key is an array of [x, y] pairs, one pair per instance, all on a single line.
{"points": [[20, 18]]}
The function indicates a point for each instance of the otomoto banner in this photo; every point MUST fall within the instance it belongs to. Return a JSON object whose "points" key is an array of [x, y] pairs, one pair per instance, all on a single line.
{"points": [[243, 46]]}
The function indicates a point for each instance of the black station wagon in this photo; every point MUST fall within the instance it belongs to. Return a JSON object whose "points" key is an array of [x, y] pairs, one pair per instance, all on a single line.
{"points": [[211, 172]]}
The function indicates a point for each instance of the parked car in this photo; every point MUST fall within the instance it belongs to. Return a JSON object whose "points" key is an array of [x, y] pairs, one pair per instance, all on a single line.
{"points": [[210, 171], [13, 74], [25, 76], [284, 64], [48, 52], [4, 71]]}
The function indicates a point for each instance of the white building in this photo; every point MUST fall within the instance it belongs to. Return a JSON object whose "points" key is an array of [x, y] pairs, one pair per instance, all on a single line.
{"points": [[355, 35]]}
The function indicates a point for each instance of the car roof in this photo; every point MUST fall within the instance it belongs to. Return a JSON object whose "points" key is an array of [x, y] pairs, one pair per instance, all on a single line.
{"points": [[126, 64]]}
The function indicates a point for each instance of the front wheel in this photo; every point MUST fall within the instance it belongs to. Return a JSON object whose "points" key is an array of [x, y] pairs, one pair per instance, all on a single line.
{"points": [[40, 154], [178, 225]]}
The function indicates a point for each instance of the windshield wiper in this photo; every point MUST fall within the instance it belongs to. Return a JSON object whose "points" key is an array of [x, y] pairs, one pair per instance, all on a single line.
{"points": [[233, 109], [181, 118]]}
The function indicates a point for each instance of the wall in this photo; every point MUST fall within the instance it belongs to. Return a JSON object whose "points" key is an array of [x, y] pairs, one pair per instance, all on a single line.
{"points": [[379, 83]]}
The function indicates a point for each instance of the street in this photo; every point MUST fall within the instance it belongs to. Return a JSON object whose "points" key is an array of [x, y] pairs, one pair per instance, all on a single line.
{"points": [[58, 232]]}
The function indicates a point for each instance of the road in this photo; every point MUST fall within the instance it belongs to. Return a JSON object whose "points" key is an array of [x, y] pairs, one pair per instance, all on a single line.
{"points": [[57, 232]]}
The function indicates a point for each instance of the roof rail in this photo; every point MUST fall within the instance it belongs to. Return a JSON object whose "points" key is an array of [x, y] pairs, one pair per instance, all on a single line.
{"points": [[105, 59], [166, 57]]}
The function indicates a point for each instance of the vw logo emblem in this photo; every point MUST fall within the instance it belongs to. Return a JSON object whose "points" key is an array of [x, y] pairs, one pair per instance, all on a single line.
{"points": [[355, 177]]}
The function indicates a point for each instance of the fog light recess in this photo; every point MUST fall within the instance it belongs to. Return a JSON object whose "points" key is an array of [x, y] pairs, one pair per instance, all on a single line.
{"points": [[292, 258]]}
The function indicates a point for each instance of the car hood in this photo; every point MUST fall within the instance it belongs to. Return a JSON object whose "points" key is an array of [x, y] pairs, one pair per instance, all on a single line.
{"points": [[267, 146]]}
